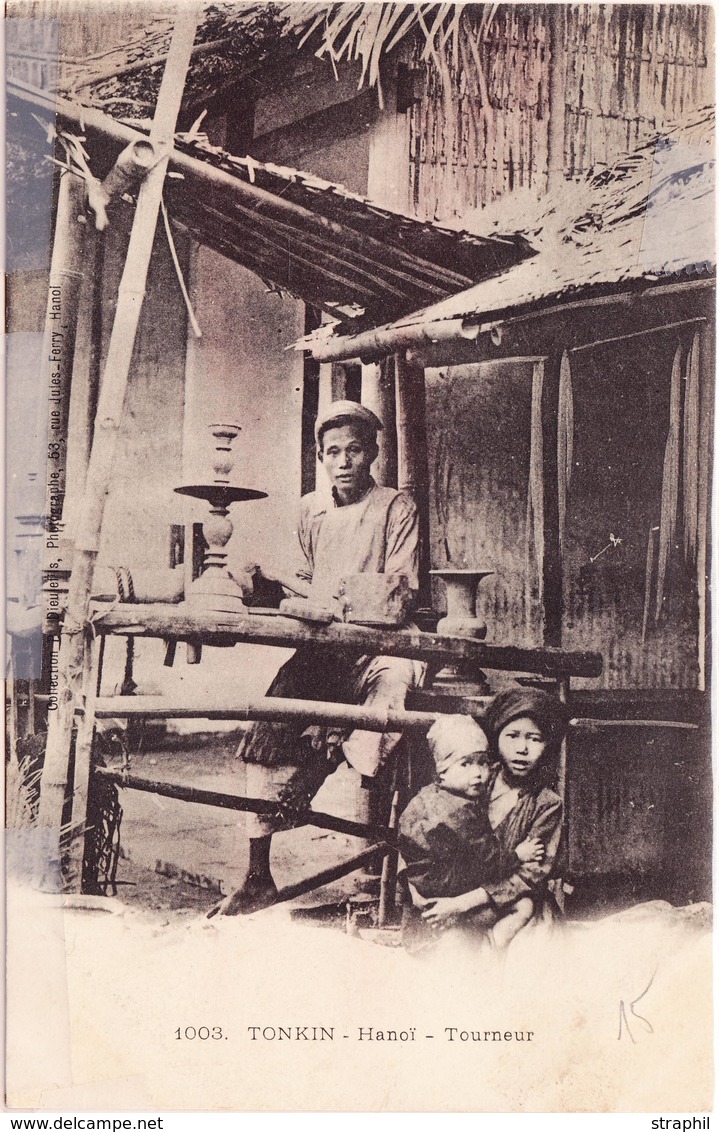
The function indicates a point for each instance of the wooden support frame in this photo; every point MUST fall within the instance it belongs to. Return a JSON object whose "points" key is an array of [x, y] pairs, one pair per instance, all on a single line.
{"points": [[253, 627], [384, 840], [71, 668]]}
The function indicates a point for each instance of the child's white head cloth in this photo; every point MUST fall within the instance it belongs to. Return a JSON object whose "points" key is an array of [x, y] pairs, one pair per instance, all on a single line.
{"points": [[452, 737]]}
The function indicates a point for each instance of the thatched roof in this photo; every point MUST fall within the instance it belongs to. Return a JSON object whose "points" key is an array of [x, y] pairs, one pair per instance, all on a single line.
{"points": [[646, 219], [316, 240], [234, 40]]}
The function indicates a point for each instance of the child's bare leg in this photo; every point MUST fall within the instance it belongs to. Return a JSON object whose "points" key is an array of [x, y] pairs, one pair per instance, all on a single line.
{"points": [[507, 927]]}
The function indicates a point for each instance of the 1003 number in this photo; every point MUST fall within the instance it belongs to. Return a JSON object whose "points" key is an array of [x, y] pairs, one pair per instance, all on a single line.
{"points": [[203, 1033]]}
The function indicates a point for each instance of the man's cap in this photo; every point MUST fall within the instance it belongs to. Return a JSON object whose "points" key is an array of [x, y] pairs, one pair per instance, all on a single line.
{"points": [[351, 410]]}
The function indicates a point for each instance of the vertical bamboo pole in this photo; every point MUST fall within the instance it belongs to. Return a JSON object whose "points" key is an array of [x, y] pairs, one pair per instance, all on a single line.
{"points": [[412, 465], [59, 350], [552, 553], [556, 17], [85, 380], [378, 395], [564, 691], [83, 755], [706, 432], [107, 426]]}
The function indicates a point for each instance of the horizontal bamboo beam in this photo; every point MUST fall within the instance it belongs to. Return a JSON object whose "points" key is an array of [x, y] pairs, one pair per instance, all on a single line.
{"points": [[519, 333], [372, 345], [92, 121], [663, 327], [272, 708], [245, 805], [183, 624], [608, 724]]}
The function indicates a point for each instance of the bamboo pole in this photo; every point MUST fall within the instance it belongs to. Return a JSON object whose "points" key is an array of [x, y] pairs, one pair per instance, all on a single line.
{"points": [[327, 876], [706, 431], [242, 804], [276, 709], [59, 350], [85, 379], [199, 174], [107, 427], [412, 465], [236, 628], [379, 396]]}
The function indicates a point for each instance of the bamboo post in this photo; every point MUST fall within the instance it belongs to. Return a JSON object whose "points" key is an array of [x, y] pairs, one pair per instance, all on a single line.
{"points": [[706, 431], [412, 465], [83, 755], [59, 350], [556, 17], [551, 564], [564, 691], [107, 427], [86, 375], [378, 395]]}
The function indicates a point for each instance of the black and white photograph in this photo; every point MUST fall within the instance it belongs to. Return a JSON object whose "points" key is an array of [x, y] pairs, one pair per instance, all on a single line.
{"points": [[359, 401]]}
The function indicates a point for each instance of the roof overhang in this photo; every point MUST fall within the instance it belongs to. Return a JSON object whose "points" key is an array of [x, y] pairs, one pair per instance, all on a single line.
{"points": [[320, 243], [570, 323]]}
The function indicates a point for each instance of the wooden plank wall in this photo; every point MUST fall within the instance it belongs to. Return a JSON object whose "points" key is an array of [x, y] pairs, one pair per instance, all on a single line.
{"points": [[478, 433]]}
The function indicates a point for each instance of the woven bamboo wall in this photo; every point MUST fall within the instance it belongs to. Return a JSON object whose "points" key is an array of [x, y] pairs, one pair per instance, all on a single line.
{"points": [[490, 137], [43, 35], [630, 69], [481, 126]]}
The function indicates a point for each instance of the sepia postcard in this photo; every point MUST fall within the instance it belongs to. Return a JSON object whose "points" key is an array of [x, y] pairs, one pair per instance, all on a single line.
{"points": [[360, 409]]}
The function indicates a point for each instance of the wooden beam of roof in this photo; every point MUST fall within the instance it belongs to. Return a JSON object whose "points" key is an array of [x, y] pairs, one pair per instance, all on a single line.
{"points": [[571, 321], [281, 263], [394, 277], [282, 208], [303, 248], [314, 286], [369, 263]]}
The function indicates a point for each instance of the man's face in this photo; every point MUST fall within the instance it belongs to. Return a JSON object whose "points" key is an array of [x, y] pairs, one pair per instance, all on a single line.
{"points": [[348, 455]]}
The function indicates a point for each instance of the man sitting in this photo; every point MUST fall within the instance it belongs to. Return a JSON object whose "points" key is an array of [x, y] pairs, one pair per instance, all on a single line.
{"points": [[359, 528]]}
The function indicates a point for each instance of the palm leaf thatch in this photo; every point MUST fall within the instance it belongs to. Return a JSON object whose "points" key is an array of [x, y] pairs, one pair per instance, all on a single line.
{"points": [[368, 32]]}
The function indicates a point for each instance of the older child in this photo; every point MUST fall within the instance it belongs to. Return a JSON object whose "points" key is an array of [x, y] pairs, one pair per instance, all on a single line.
{"points": [[446, 839], [525, 729]]}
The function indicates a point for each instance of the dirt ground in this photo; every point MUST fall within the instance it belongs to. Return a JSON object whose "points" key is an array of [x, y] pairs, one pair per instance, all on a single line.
{"points": [[181, 858]]}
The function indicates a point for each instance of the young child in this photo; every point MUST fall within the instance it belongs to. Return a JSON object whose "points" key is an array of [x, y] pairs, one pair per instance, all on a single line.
{"points": [[447, 843]]}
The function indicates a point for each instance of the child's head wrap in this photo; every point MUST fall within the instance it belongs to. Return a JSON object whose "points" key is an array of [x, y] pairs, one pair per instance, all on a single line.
{"points": [[548, 712], [452, 737]]}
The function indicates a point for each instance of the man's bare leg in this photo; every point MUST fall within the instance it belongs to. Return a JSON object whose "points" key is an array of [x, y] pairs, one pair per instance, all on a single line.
{"points": [[258, 889]]}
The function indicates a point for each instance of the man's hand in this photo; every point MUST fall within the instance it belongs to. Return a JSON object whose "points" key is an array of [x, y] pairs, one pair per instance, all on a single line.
{"points": [[327, 740], [530, 850]]}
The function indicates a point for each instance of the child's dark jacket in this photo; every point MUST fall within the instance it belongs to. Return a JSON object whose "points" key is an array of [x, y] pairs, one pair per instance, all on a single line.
{"points": [[448, 844]]}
